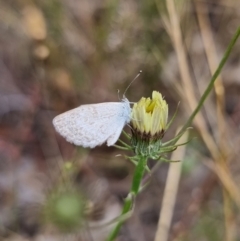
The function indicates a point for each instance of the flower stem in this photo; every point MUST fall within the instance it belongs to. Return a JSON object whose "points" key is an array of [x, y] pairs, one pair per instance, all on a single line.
{"points": [[129, 200], [138, 174]]}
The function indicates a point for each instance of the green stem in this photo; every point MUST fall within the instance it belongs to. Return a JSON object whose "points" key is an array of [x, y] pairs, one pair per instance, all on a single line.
{"points": [[210, 86], [138, 174], [129, 200]]}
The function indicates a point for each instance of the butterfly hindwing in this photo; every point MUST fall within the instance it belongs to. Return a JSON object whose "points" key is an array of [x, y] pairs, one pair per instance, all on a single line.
{"points": [[94, 124]]}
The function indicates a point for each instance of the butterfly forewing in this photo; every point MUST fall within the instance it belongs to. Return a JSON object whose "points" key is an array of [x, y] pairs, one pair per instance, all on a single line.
{"points": [[92, 125]]}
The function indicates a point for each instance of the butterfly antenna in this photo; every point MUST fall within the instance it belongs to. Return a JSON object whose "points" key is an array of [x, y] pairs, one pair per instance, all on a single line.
{"points": [[139, 73]]}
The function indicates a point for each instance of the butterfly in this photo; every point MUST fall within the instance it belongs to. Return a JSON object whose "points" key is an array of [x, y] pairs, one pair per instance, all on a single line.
{"points": [[92, 125]]}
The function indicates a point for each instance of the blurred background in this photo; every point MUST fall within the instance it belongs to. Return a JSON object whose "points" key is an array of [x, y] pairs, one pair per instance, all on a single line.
{"points": [[56, 55]]}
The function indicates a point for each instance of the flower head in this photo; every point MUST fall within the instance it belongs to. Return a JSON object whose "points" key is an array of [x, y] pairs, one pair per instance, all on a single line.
{"points": [[65, 209], [149, 120], [149, 116]]}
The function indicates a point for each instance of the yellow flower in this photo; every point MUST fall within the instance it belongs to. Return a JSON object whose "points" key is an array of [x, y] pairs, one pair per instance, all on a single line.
{"points": [[148, 124], [149, 117]]}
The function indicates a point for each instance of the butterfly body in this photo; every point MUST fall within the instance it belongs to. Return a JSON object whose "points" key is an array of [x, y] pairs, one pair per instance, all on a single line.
{"points": [[92, 125]]}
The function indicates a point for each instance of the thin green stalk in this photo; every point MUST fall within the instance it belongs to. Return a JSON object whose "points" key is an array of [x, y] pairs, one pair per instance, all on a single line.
{"points": [[210, 86], [138, 175], [129, 200]]}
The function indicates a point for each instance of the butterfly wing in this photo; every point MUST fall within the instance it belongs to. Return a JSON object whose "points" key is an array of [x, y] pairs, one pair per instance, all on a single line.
{"points": [[117, 127], [92, 125]]}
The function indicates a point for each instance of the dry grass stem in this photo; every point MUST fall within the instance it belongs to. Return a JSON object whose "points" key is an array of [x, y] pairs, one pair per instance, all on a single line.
{"points": [[186, 78], [170, 192], [212, 58], [226, 180]]}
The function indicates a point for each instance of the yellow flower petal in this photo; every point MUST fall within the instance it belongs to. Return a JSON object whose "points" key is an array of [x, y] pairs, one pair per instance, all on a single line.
{"points": [[149, 116]]}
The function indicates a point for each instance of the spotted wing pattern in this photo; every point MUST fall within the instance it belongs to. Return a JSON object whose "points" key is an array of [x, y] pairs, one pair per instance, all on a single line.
{"points": [[92, 125]]}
